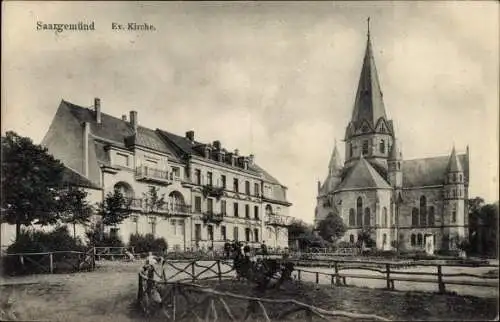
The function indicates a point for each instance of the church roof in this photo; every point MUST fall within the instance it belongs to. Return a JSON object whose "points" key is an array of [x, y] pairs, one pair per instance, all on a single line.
{"points": [[369, 103], [363, 175], [335, 161], [430, 171]]}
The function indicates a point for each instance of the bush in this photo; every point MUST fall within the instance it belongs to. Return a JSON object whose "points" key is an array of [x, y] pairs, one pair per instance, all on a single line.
{"points": [[96, 239], [147, 243], [58, 239]]}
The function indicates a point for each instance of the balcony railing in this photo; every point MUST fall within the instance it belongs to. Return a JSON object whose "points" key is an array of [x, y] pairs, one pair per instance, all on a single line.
{"points": [[135, 203], [145, 173], [212, 217], [278, 220], [212, 191], [176, 209]]}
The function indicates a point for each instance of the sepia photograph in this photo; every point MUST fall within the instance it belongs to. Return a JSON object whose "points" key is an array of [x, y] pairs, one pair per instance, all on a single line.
{"points": [[249, 161]]}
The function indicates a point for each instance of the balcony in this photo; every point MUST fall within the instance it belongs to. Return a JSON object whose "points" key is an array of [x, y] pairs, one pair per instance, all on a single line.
{"points": [[210, 217], [213, 191], [175, 209], [149, 174], [135, 203], [278, 220]]}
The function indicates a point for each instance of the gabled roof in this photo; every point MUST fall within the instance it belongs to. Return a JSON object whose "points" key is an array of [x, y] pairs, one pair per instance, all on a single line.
{"points": [[430, 171], [363, 175], [73, 178], [369, 103]]}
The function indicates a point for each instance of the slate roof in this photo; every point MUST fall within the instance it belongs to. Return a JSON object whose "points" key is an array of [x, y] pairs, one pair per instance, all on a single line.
{"points": [[430, 171], [363, 175], [72, 177]]}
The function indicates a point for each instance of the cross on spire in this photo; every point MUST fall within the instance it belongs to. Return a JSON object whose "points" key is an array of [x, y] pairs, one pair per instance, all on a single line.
{"points": [[368, 26]]}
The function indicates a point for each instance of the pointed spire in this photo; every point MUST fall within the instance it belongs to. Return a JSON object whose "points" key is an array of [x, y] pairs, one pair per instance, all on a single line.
{"points": [[369, 104], [335, 161], [368, 25], [395, 153], [454, 164]]}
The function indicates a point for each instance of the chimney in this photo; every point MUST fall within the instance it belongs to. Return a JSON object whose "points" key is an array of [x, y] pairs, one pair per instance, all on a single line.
{"points": [[216, 145], [245, 163], [251, 159], [124, 117], [190, 135], [97, 108], [133, 120], [236, 152]]}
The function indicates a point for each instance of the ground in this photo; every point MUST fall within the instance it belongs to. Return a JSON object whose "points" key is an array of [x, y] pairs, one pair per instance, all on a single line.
{"points": [[108, 293]]}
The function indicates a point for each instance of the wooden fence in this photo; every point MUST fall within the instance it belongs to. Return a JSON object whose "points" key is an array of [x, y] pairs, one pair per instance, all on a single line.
{"points": [[391, 272], [53, 262], [178, 297]]}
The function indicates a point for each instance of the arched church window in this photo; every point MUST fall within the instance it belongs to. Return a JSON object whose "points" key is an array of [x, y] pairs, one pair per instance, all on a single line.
{"points": [[454, 176], [399, 166], [454, 216], [423, 211], [414, 217], [384, 217], [352, 218], [420, 240], [366, 221], [359, 212], [460, 177], [382, 146], [431, 216], [365, 147], [413, 240], [382, 128]]}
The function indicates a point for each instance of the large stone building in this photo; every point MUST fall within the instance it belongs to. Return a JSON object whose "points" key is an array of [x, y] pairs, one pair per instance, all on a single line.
{"points": [[414, 203], [212, 194]]}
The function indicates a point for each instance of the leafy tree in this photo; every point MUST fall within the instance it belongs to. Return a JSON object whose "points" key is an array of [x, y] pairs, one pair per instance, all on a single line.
{"points": [[74, 207], [114, 209], [31, 179], [366, 237], [483, 227], [153, 200], [332, 227]]}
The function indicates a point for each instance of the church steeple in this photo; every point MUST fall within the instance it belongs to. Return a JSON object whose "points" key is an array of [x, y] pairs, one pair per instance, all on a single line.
{"points": [[369, 103], [369, 133], [335, 164]]}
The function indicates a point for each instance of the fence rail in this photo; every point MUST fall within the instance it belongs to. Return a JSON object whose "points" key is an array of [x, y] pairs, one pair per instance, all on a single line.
{"points": [[170, 293]]}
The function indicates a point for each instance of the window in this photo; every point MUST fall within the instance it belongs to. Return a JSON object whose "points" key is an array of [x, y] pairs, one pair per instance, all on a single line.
{"points": [[223, 181], [384, 217], [114, 231], [152, 222], [256, 235], [384, 239], [382, 146], [460, 177], [419, 240], [423, 211], [359, 212], [176, 172], [431, 220], [197, 176], [366, 221], [351, 239], [365, 147], [223, 233], [197, 203], [350, 150], [210, 181], [174, 226], [235, 233], [235, 185], [247, 211], [352, 218], [122, 159], [454, 216], [247, 234], [235, 207], [197, 232], [223, 207], [256, 189], [210, 232], [454, 177], [180, 224], [256, 212], [413, 240], [414, 217], [247, 187], [210, 205]]}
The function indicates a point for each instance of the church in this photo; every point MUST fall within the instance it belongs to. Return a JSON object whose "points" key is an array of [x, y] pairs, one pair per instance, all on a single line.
{"points": [[417, 204]]}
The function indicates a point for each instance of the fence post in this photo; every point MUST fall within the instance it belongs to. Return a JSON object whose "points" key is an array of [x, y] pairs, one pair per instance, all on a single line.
{"points": [[298, 275], [440, 280], [388, 272], [337, 277], [317, 278], [219, 273], [193, 271], [51, 263]]}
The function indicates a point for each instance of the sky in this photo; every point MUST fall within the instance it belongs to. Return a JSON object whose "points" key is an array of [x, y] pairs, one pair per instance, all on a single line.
{"points": [[276, 80]]}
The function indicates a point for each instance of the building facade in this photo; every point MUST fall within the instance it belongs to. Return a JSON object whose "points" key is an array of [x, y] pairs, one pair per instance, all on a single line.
{"points": [[211, 195], [416, 204]]}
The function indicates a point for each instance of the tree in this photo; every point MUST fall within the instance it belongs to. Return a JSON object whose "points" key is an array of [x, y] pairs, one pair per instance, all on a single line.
{"points": [[153, 200], [74, 207], [366, 237], [31, 180], [114, 209], [332, 227]]}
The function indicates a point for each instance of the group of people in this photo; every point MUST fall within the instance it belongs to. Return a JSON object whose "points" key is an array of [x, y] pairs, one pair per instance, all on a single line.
{"points": [[239, 248]]}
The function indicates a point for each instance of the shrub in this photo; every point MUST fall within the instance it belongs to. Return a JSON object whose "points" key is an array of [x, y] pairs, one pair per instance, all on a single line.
{"points": [[147, 243], [98, 239], [59, 239]]}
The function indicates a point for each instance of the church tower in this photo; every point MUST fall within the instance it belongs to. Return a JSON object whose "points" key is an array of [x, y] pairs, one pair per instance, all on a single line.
{"points": [[369, 132], [395, 163], [334, 170], [454, 196]]}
